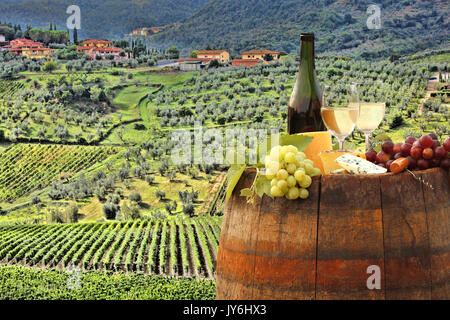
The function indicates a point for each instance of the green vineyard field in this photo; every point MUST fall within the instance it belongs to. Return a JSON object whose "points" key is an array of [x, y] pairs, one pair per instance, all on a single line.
{"points": [[174, 247], [20, 283], [8, 88], [28, 167]]}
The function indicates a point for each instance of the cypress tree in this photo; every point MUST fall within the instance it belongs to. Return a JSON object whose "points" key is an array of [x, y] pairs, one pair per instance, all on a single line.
{"points": [[75, 35]]}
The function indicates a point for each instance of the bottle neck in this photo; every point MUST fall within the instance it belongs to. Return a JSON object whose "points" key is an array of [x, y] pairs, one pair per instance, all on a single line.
{"points": [[307, 54]]}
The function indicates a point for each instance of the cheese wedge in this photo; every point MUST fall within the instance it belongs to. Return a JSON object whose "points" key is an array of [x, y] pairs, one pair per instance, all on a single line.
{"points": [[339, 171], [355, 165], [328, 159], [320, 143]]}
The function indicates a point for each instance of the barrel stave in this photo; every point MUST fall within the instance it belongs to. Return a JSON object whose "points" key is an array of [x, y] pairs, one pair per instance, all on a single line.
{"points": [[286, 248], [406, 240], [437, 206], [350, 237]]}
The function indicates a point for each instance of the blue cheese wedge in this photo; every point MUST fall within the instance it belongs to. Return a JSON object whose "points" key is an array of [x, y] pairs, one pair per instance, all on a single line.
{"points": [[355, 165]]}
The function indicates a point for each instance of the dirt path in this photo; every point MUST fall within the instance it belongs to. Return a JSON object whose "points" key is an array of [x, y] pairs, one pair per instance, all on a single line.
{"points": [[430, 89], [215, 188]]}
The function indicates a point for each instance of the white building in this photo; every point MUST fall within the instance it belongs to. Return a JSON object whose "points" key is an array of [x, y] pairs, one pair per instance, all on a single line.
{"points": [[2, 38], [190, 65]]}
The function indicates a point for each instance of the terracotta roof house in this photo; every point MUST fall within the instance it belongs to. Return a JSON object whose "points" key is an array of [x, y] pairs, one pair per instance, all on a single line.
{"points": [[85, 49], [260, 54], [246, 62], [29, 48], [111, 51], [219, 55], [101, 48], [96, 43]]}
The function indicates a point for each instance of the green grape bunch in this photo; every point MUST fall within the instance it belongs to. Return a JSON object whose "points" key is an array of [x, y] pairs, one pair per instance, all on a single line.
{"points": [[290, 172]]}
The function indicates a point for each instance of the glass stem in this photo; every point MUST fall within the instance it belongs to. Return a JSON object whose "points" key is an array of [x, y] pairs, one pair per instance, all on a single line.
{"points": [[341, 144], [367, 141]]}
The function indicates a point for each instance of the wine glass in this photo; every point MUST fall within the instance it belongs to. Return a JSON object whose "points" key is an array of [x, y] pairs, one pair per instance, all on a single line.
{"points": [[340, 114], [371, 114]]}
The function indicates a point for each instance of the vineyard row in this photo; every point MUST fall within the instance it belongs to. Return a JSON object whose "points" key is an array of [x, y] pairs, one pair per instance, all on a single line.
{"points": [[177, 247]]}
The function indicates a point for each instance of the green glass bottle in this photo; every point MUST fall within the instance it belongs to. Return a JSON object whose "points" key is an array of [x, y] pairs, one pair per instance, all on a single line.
{"points": [[306, 99]]}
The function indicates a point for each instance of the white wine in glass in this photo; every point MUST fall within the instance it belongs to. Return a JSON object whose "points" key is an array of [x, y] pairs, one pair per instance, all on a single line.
{"points": [[370, 116], [341, 114], [340, 121]]}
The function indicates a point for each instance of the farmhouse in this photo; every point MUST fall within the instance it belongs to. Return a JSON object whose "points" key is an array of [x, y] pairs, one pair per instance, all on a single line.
{"points": [[29, 48], [94, 43], [101, 48], [260, 54], [222, 56], [112, 51]]}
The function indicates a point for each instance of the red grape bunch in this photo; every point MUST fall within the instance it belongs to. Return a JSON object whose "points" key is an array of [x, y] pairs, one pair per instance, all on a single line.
{"points": [[422, 154]]}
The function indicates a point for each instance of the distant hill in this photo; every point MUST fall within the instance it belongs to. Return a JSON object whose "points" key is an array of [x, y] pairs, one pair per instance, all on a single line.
{"points": [[340, 26], [100, 18]]}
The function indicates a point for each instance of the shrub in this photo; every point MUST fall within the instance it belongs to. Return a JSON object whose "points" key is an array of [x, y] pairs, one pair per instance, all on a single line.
{"points": [[110, 210], [221, 120], [50, 66], [160, 194], [71, 214], [130, 211], [171, 207], [136, 197], [149, 179], [35, 200], [189, 209], [55, 216], [139, 126], [396, 121]]}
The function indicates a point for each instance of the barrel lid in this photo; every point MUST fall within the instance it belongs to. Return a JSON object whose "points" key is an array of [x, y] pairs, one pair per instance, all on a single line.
{"points": [[307, 36]]}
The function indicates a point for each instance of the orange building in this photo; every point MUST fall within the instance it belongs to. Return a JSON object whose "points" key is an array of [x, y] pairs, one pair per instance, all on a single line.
{"points": [[219, 55], [101, 48], [29, 48], [97, 43], [260, 54]]}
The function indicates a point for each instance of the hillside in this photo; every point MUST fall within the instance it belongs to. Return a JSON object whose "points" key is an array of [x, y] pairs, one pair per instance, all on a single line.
{"points": [[340, 25], [100, 18]]}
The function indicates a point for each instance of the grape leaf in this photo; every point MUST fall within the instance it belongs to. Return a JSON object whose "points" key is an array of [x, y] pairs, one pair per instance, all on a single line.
{"points": [[233, 176], [246, 192], [382, 137], [378, 141], [297, 140], [263, 186]]}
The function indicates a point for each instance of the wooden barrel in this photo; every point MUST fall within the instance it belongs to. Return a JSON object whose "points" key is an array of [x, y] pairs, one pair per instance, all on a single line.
{"points": [[321, 248]]}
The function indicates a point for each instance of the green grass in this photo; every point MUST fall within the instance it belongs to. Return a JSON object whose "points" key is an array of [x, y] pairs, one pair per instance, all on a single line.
{"points": [[127, 99]]}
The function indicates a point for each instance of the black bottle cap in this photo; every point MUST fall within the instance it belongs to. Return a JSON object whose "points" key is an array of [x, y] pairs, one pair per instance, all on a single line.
{"points": [[307, 36]]}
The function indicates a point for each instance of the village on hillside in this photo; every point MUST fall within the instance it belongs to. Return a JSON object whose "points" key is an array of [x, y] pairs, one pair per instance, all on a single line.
{"points": [[99, 50]]}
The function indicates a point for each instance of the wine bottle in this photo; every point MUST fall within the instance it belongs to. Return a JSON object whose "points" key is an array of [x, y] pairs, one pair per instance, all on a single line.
{"points": [[306, 99]]}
